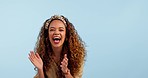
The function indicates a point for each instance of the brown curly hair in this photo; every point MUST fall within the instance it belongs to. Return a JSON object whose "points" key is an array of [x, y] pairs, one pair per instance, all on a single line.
{"points": [[73, 46]]}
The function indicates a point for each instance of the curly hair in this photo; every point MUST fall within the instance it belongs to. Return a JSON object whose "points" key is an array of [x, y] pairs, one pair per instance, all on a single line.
{"points": [[73, 46]]}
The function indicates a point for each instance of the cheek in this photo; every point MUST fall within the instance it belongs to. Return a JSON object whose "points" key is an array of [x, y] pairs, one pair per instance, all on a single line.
{"points": [[64, 35], [50, 36]]}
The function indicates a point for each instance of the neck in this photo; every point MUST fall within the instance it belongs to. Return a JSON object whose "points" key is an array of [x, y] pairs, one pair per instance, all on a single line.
{"points": [[57, 51]]}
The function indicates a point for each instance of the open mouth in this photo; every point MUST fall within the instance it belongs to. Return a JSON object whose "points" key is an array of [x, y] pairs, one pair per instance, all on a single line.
{"points": [[56, 40]]}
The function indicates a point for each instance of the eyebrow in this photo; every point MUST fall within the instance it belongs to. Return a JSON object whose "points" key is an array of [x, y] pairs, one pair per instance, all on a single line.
{"points": [[59, 27]]}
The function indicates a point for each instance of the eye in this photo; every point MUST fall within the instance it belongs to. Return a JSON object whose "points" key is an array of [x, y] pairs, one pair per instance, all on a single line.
{"points": [[61, 30], [51, 29]]}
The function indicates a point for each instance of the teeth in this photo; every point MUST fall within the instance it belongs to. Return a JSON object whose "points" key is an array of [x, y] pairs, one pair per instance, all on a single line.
{"points": [[56, 38]]}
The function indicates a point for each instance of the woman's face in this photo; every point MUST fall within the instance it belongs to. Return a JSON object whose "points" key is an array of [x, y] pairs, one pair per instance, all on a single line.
{"points": [[57, 33]]}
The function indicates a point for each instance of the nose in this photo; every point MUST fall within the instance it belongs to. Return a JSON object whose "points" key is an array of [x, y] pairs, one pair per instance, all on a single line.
{"points": [[56, 32]]}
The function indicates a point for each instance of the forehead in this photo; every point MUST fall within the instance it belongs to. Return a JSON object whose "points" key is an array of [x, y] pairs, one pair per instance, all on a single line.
{"points": [[56, 23]]}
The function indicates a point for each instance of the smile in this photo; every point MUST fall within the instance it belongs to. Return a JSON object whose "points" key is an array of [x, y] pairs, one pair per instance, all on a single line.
{"points": [[56, 40]]}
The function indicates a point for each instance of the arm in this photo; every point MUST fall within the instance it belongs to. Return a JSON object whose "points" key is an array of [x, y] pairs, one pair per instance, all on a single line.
{"points": [[68, 74], [41, 73], [37, 62]]}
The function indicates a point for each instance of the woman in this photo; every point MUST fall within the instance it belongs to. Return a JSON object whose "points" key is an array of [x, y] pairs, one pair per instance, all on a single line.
{"points": [[59, 51]]}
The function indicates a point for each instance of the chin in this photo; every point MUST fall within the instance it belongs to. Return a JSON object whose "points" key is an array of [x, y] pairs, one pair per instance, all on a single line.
{"points": [[57, 46]]}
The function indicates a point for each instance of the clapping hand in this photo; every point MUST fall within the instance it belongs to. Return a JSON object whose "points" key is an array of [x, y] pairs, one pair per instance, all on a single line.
{"points": [[36, 60], [64, 64]]}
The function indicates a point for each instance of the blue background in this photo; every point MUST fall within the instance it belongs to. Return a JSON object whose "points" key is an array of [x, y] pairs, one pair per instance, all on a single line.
{"points": [[115, 32]]}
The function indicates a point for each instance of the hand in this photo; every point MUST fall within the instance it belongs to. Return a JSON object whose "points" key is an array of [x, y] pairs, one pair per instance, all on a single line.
{"points": [[36, 60], [64, 64]]}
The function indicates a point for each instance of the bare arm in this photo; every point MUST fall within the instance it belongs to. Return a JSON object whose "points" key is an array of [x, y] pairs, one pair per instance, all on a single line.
{"points": [[68, 74], [41, 73], [37, 62]]}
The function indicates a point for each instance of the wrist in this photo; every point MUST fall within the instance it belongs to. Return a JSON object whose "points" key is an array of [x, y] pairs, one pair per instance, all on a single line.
{"points": [[67, 72], [38, 69]]}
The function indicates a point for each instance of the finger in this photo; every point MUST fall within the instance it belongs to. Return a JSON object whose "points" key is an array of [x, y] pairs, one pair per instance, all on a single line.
{"points": [[32, 61], [32, 54], [65, 62], [65, 57], [37, 55], [31, 58], [62, 67], [29, 55]]}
